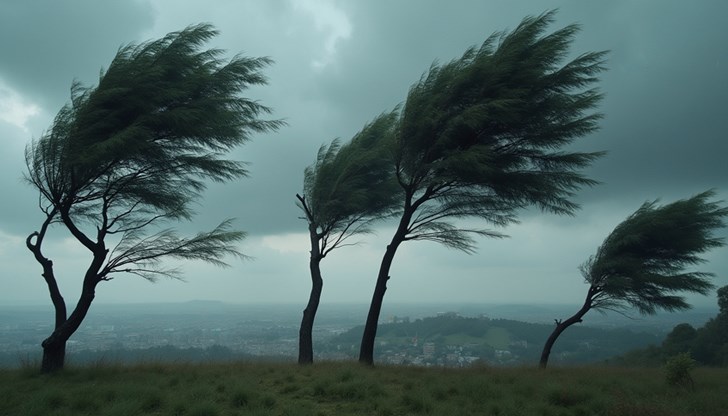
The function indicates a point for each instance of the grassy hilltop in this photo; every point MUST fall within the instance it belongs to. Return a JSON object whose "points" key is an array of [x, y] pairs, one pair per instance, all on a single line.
{"points": [[346, 388]]}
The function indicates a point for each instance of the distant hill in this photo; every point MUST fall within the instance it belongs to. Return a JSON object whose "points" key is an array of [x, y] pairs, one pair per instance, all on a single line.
{"points": [[448, 337]]}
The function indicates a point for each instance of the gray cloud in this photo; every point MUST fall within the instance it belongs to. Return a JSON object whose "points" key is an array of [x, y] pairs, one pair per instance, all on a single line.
{"points": [[46, 44], [664, 128]]}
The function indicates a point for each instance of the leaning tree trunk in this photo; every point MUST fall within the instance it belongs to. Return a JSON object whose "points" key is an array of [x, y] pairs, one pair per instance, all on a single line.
{"points": [[366, 351], [561, 326], [54, 347], [305, 334]]}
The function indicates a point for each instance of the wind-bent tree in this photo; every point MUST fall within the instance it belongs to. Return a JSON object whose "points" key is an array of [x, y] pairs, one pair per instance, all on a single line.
{"points": [[136, 151], [483, 136], [643, 263], [348, 188]]}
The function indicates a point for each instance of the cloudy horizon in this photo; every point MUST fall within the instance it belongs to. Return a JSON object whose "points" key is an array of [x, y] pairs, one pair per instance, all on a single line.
{"points": [[338, 64]]}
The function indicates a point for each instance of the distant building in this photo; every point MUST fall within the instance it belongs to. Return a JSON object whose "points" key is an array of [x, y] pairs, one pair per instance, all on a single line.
{"points": [[428, 349]]}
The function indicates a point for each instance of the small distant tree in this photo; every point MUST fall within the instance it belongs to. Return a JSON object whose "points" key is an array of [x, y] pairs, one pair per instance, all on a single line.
{"points": [[136, 151], [711, 344], [680, 339], [723, 300], [349, 187], [643, 262], [483, 136], [677, 371]]}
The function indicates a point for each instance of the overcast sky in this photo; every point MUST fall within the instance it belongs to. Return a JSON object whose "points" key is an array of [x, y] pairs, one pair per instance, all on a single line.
{"points": [[337, 65]]}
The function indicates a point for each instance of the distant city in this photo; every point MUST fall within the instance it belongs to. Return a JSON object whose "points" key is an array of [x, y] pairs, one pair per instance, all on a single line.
{"points": [[271, 331]]}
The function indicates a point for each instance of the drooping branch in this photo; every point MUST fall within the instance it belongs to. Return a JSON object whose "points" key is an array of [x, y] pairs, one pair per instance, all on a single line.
{"points": [[144, 255]]}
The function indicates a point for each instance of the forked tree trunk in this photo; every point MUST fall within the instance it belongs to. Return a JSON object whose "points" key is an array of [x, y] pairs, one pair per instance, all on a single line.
{"points": [[54, 347], [561, 326], [305, 334]]}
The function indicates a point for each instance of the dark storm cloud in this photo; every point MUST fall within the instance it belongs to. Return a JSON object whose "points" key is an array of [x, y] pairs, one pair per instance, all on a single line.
{"points": [[666, 94], [338, 64], [46, 44], [665, 83], [665, 86]]}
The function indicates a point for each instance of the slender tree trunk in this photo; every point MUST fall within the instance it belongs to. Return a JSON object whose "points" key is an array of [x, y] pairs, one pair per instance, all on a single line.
{"points": [[305, 334], [366, 351], [54, 353], [561, 326]]}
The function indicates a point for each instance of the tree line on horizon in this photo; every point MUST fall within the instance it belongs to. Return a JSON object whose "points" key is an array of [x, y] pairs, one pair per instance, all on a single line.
{"points": [[707, 345], [480, 137]]}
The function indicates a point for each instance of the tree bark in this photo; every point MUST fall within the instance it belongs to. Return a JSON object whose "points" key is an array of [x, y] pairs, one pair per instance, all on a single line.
{"points": [[54, 347], [561, 326], [305, 334], [54, 357], [366, 351]]}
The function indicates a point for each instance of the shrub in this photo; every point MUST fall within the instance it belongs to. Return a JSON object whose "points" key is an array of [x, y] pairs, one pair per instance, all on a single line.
{"points": [[677, 370]]}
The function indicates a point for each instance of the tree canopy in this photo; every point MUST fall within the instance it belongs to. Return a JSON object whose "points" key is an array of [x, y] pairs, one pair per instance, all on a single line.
{"points": [[348, 187], [643, 263], [351, 184], [148, 136], [484, 136], [137, 150], [481, 136]]}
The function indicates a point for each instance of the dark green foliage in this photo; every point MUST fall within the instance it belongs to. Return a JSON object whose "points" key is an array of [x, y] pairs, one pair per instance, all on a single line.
{"points": [[643, 262], [723, 300], [143, 255], [711, 343], [139, 147], [708, 345], [481, 135], [351, 184], [349, 187], [680, 339], [137, 150], [484, 136], [677, 370], [152, 131]]}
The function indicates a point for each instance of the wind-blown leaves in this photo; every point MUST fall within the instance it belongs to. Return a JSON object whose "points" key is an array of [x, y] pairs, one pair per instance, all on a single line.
{"points": [[349, 186], [352, 184], [482, 135], [644, 261], [140, 147], [142, 255], [153, 130]]}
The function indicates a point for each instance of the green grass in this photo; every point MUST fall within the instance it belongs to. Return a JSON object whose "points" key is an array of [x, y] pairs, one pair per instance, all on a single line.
{"points": [[351, 389]]}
